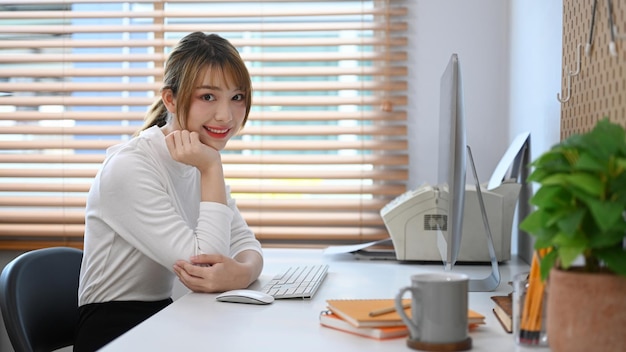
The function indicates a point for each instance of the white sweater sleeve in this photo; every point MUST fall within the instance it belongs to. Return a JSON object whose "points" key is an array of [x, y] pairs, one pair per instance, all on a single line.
{"points": [[242, 237]]}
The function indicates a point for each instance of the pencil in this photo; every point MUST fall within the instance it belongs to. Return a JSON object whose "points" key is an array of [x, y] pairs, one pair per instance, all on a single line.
{"points": [[530, 325], [382, 311]]}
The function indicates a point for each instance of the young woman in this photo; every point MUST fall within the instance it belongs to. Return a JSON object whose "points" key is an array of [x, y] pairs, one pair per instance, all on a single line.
{"points": [[160, 198]]}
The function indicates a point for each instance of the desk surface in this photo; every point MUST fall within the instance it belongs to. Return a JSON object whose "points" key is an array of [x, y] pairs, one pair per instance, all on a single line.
{"points": [[198, 322]]}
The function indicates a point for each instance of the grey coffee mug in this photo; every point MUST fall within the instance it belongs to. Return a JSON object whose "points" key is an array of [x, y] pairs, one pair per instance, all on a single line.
{"points": [[439, 307]]}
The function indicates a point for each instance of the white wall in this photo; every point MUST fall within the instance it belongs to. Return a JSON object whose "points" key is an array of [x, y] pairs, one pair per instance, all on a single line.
{"points": [[478, 31], [536, 51], [536, 54]]}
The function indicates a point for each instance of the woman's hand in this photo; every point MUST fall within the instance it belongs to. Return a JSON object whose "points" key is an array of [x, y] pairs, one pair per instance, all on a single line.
{"points": [[185, 147], [218, 273]]}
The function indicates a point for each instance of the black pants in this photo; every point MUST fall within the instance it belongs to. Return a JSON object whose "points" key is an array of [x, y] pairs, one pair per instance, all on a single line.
{"points": [[101, 323]]}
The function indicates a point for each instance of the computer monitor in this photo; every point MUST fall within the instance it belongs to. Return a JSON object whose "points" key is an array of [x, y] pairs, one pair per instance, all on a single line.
{"points": [[452, 155]]}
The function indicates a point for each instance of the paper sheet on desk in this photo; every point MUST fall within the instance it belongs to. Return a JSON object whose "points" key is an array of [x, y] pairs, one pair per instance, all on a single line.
{"points": [[331, 250]]}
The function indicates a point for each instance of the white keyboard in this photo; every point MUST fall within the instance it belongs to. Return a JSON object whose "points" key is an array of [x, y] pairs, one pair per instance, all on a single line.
{"points": [[298, 281]]}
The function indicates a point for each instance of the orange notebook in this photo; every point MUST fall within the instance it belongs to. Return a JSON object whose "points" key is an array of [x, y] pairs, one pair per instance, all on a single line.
{"points": [[356, 312], [330, 320]]}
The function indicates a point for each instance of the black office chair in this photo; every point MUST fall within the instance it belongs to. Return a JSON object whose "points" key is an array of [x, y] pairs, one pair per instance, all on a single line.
{"points": [[39, 298]]}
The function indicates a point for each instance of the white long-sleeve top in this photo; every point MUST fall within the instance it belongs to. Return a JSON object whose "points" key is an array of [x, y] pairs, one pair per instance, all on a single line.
{"points": [[143, 213]]}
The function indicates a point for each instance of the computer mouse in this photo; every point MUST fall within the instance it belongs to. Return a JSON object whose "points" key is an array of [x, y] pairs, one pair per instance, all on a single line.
{"points": [[245, 296]]}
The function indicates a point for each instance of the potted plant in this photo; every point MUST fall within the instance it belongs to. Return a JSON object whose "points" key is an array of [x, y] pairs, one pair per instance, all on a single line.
{"points": [[580, 219]]}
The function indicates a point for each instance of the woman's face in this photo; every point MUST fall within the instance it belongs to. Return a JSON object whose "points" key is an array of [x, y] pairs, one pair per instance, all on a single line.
{"points": [[217, 110]]}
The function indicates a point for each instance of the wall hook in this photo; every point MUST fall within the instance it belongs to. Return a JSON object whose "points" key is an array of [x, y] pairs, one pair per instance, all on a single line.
{"points": [[578, 50], [616, 32], [618, 35], [569, 89], [612, 29]]}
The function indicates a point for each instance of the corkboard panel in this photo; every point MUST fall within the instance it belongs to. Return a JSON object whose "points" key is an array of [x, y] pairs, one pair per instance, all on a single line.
{"points": [[599, 88]]}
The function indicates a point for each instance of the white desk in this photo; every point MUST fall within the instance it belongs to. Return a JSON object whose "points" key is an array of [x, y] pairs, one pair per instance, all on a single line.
{"points": [[197, 322]]}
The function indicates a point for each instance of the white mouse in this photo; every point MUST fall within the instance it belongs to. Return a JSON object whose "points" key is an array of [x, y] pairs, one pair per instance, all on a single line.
{"points": [[245, 296]]}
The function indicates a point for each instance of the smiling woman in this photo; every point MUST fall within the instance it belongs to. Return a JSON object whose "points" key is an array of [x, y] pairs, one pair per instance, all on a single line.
{"points": [[325, 147], [159, 207]]}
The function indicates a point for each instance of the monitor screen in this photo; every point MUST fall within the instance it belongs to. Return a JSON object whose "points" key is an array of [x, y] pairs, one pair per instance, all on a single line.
{"points": [[452, 155]]}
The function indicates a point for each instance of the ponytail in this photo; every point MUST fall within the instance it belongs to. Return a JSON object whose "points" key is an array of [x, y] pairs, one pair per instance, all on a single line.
{"points": [[156, 116]]}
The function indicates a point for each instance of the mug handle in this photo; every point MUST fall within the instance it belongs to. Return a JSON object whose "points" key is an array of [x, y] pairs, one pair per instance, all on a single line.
{"points": [[413, 328]]}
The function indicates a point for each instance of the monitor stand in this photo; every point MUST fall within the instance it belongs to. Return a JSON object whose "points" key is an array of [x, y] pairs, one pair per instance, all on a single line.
{"points": [[491, 282]]}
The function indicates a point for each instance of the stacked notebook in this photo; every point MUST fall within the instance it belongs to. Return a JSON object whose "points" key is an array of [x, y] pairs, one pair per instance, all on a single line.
{"points": [[503, 310], [353, 316]]}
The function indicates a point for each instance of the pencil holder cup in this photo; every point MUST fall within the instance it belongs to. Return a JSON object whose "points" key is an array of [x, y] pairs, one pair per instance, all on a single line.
{"points": [[529, 311]]}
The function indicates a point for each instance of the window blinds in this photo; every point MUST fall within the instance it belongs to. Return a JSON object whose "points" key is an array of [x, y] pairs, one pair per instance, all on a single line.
{"points": [[325, 147]]}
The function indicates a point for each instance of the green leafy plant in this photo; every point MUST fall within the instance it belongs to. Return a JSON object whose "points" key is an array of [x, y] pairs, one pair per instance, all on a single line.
{"points": [[580, 206]]}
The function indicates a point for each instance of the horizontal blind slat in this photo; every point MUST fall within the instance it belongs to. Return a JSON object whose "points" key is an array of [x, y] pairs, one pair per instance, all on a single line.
{"points": [[309, 130], [232, 145], [228, 159], [245, 174], [273, 57], [299, 189], [242, 204], [267, 13], [295, 71], [258, 101], [266, 42], [257, 86], [254, 116], [215, 27]]}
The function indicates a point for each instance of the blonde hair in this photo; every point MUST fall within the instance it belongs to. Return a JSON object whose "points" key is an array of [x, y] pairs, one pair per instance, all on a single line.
{"points": [[189, 61]]}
